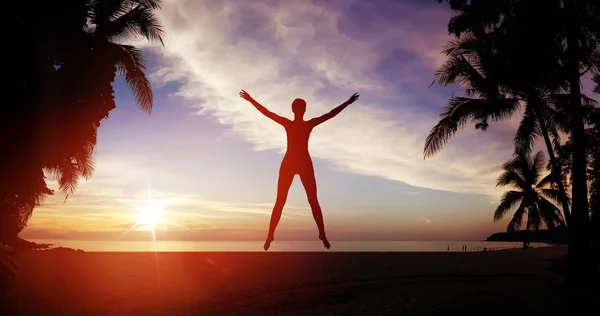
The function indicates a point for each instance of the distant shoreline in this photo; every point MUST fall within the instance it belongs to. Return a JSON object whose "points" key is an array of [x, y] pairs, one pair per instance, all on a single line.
{"points": [[279, 246], [26, 245], [555, 236]]}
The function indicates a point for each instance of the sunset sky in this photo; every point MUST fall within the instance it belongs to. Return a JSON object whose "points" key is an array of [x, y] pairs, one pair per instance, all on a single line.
{"points": [[213, 160]]}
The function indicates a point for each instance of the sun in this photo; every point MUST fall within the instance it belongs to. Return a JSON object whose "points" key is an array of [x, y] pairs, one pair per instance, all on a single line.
{"points": [[151, 214]]}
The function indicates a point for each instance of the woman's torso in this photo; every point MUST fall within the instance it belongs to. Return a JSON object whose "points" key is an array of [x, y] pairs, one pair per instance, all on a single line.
{"points": [[298, 133]]}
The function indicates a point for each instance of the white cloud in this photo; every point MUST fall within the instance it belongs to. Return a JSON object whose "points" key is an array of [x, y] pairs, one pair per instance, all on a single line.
{"points": [[107, 202], [280, 50]]}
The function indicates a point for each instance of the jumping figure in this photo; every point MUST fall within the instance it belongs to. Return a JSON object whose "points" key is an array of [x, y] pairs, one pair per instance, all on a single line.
{"points": [[297, 160]]}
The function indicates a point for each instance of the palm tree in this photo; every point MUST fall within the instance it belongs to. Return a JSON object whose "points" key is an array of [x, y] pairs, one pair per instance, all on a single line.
{"points": [[473, 65], [592, 132], [87, 76], [491, 93], [576, 26], [582, 32], [66, 91], [531, 194]]}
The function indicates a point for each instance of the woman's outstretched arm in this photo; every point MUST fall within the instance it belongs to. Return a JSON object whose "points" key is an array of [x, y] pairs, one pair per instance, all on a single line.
{"points": [[318, 120], [279, 119]]}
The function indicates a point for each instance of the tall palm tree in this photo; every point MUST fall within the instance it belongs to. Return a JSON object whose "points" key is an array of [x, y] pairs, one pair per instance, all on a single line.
{"points": [[63, 89], [87, 76], [592, 132], [531, 195], [474, 62], [582, 32], [473, 65], [576, 24]]}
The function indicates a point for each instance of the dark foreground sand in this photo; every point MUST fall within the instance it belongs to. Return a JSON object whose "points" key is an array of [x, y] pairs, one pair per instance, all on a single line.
{"points": [[514, 282]]}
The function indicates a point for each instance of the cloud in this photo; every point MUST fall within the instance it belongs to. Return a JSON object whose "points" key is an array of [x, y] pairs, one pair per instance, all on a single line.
{"points": [[280, 50], [107, 202], [412, 192], [95, 213]]}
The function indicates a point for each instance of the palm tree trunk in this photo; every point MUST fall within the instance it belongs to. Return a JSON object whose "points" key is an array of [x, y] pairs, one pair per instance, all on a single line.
{"points": [[579, 237], [556, 173], [595, 209]]}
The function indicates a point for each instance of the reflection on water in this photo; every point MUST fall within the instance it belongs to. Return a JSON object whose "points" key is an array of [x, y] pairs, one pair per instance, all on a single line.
{"points": [[298, 246]]}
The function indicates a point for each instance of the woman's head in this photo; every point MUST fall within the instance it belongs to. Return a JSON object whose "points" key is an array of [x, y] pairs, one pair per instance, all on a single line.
{"points": [[299, 107]]}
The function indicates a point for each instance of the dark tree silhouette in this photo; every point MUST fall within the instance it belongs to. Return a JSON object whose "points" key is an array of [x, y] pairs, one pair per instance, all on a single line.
{"points": [[61, 79], [576, 26], [478, 63], [592, 137], [532, 195]]}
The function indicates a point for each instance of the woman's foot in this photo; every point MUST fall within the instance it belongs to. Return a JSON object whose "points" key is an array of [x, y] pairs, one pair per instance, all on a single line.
{"points": [[268, 243], [326, 243]]}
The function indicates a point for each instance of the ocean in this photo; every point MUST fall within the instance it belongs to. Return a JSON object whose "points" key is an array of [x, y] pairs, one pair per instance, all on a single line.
{"points": [[282, 246]]}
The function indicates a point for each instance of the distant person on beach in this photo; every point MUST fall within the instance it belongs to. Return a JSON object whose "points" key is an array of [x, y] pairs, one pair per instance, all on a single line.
{"points": [[297, 160]]}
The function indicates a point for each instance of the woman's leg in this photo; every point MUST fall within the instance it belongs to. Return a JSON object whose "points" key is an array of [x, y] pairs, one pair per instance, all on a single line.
{"points": [[310, 186], [286, 176]]}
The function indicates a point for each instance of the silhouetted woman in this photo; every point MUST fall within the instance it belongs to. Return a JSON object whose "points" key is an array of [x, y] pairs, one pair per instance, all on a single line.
{"points": [[297, 160]]}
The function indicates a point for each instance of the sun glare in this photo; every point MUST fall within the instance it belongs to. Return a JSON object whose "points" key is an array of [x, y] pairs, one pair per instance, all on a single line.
{"points": [[150, 214]]}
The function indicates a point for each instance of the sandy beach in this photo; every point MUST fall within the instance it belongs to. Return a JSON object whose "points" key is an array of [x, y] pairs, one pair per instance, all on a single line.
{"points": [[400, 283]]}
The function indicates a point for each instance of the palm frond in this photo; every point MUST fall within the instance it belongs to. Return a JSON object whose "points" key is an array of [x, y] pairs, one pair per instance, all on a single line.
{"points": [[559, 112], [85, 162], [103, 11], [457, 113], [550, 213], [154, 4], [455, 70], [589, 59], [538, 166], [498, 109], [515, 173], [554, 195], [454, 116], [557, 117], [554, 137], [83, 156], [468, 72], [461, 45], [512, 178], [138, 21], [508, 202], [68, 176], [131, 65], [527, 132], [517, 218], [534, 218], [546, 181]]}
